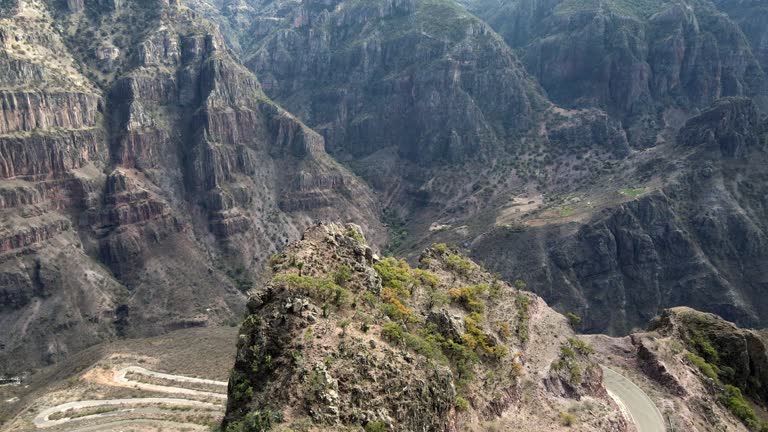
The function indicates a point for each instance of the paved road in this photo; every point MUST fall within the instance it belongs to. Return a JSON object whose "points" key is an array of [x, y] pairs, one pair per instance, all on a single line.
{"points": [[639, 406]]}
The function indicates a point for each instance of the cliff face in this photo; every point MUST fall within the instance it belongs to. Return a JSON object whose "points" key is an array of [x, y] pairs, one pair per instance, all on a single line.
{"points": [[143, 193], [424, 77], [422, 99], [700, 240], [750, 16], [54, 298], [636, 60], [340, 339]]}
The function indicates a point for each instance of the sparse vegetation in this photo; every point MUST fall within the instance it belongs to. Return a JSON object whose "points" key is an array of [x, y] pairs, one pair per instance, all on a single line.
{"points": [[709, 370], [342, 275], [567, 419], [255, 421], [396, 229], [632, 192], [734, 400], [355, 234], [321, 290], [476, 339], [470, 297], [522, 302], [574, 320], [461, 404], [459, 264], [376, 426], [570, 362]]}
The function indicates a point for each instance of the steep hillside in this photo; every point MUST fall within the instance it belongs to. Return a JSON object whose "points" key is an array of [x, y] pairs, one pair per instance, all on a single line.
{"points": [[340, 339], [696, 236], [146, 176]]}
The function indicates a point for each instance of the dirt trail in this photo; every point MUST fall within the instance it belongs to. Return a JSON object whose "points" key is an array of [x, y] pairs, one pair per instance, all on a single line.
{"points": [[120, 378], [43, 420]]}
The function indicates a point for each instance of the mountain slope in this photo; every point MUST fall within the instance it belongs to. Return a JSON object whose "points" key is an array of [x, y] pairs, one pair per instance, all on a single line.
{"points": [[640, 61], [696, 238], [161, 164]]}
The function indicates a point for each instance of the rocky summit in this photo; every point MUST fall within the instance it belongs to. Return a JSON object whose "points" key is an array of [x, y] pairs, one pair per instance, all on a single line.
{"points": [[422, 215], [340, 337]]}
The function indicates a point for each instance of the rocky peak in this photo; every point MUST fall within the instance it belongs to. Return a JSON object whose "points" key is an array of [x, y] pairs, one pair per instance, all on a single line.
{"points": [[342, 338]]}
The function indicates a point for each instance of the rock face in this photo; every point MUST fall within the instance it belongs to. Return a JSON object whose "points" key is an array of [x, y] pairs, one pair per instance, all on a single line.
{"points": [[740, 355], [143, 194], [341, 339], [698, 241], [708, 369], [750, 16], [422, 76], [634, 60]]}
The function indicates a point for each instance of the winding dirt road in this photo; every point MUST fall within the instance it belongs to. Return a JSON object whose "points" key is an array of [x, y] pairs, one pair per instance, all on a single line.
{"points": [[120, 378]]}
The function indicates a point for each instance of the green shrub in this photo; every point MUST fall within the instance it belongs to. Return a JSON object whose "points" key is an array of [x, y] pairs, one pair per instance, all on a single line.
{"points": [[438, 298], [255, 421], [523, 302], [461, 404], [441, 247], [242, 390], [355, 234], [322, 290], [709, 370], [581, 347], [393, 332], [705, 348], [567, 419], [739, 407], [426, 278], [395, 274], [459, 264], [376, 426], [342, 275], [495, 290], [476, 339], [469, 297], [574, 320], [426, 345]]}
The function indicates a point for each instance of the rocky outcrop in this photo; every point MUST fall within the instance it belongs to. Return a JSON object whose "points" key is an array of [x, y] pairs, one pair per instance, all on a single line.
{"points": [[336, 331], [711, 371], [740, 355], [39, 155]]}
